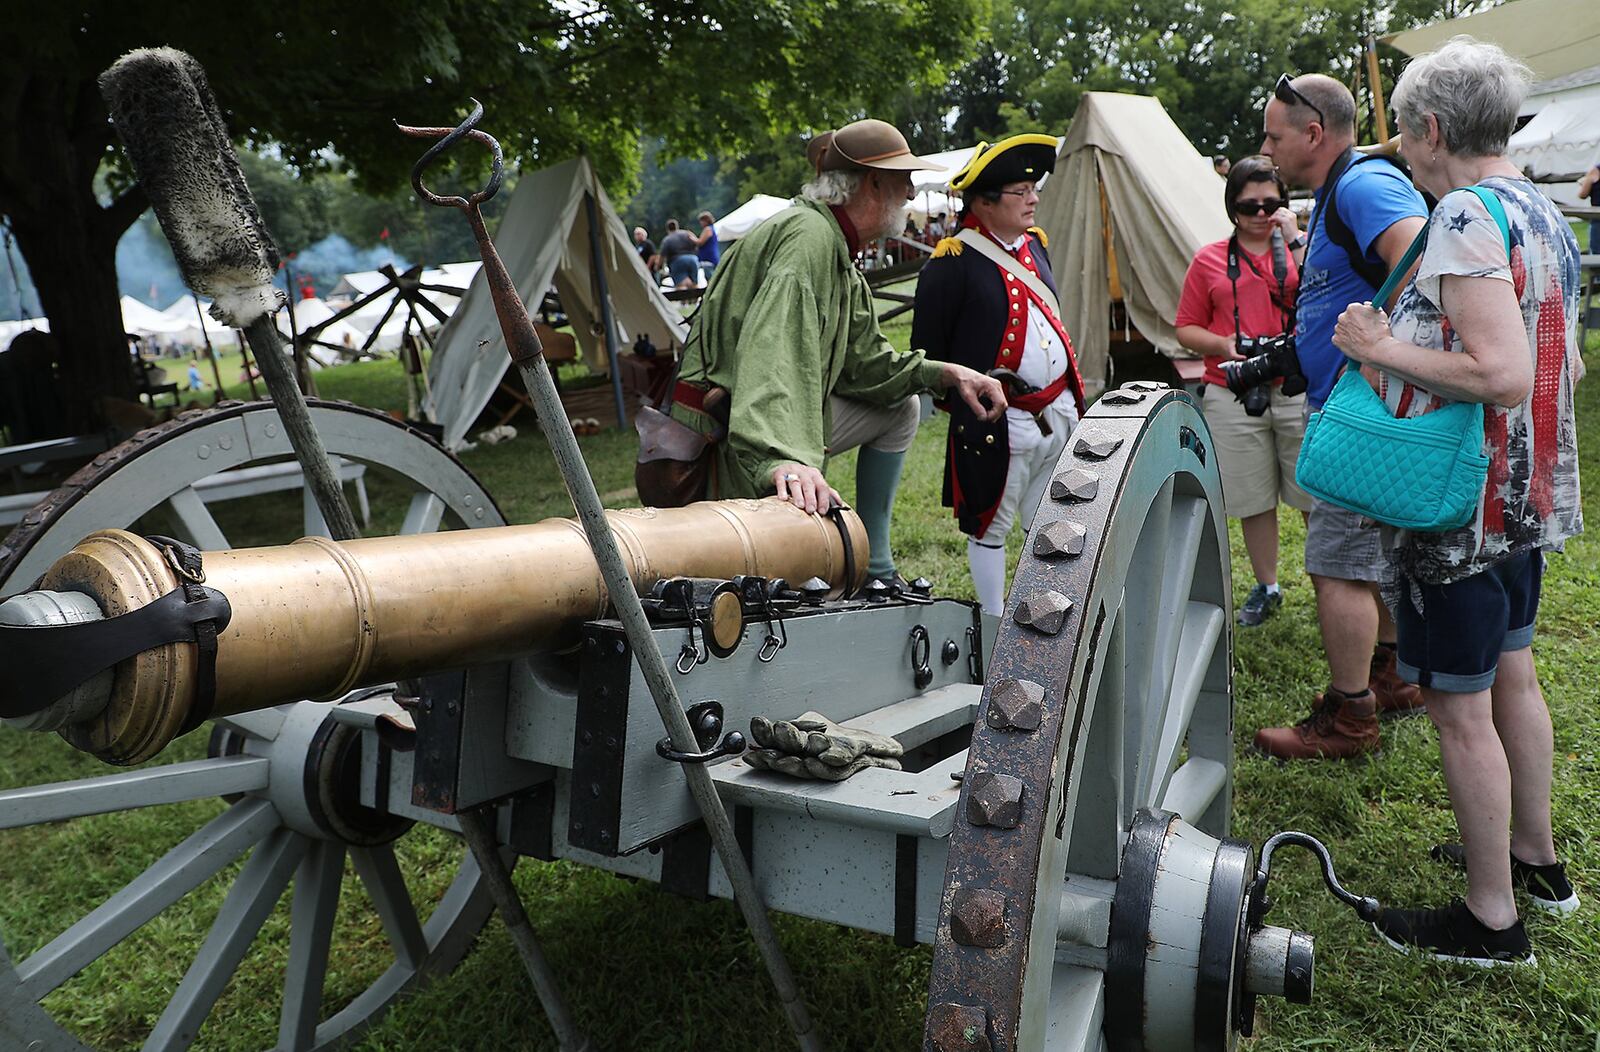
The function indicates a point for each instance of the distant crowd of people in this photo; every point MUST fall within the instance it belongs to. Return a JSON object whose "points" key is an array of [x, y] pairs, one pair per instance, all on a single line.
{"points": [[685, 260]]}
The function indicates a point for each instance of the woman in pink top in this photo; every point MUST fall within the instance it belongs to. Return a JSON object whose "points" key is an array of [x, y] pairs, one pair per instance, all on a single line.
{"points": [[1236, 292]]}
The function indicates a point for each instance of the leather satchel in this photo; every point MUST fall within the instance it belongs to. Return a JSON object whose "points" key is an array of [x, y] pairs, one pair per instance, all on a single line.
{"points": [[1423, 473], [675, 461]]}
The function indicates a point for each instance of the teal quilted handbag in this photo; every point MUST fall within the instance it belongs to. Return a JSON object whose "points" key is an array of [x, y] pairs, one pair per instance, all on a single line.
{"points": [[1424, 473]]}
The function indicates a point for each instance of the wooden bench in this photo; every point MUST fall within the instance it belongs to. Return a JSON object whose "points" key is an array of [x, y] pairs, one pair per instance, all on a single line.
{"points": [[240, 482]]}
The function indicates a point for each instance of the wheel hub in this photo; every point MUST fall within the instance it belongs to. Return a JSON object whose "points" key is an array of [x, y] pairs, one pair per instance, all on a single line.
{"points": [[316, 777], [1183, 963]]}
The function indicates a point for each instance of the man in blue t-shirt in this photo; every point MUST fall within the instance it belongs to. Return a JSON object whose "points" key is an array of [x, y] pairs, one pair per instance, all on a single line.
{"points": [[1354, 239]]}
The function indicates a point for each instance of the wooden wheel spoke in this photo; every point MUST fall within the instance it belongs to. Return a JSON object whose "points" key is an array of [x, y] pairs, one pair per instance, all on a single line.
{"points": [[1202, 629], [1077, 1007], [424, 514], [1184, 529], [1193, 787], [316, 898], [177, 873], [250, 901], [381, 876], [150, 787], [194, 520], [1102, 790]]}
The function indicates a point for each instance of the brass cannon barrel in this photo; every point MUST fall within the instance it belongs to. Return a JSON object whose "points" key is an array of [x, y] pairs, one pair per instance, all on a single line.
{"points": [[316, 618]]}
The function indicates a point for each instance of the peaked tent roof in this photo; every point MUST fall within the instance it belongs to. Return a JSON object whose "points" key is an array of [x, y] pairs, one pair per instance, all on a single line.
{"points": [[1561, 141], [543, 239], [1129, 187], [748, 216], [1553, 37]]}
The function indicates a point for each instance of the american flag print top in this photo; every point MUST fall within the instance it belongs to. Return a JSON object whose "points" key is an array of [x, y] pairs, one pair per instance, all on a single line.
{"points": [[1531, 498]]}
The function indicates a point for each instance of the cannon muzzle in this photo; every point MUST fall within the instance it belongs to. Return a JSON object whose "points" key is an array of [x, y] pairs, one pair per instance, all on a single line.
{"points": [[317, 618]]}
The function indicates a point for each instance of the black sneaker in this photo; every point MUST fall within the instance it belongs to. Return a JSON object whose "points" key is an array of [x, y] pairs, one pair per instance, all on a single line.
{"points": [[1259, 605], [1452, 933], [1547, 886]]}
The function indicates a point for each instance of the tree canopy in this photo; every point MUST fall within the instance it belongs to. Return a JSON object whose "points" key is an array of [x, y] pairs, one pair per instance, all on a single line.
{"points": [[319, 86], [1211, 62]]}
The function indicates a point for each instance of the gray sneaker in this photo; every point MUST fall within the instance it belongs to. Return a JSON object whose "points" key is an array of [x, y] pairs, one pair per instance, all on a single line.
{"points": [[1259, 605]]}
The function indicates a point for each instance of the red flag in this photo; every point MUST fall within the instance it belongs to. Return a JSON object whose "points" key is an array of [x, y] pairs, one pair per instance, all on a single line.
{"points": [[383, 235]]}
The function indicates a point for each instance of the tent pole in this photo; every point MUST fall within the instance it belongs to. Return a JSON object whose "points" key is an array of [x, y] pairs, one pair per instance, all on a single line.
{"points": [[606, 318], [211, 353], [249, 374], [1375, 89]]}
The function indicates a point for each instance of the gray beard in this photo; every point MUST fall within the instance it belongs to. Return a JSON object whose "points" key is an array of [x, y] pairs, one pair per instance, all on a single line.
{"points": [[893, 221]]}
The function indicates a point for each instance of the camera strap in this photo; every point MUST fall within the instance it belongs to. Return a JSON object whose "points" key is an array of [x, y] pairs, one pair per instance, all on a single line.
{"points": [[1278, 295]]}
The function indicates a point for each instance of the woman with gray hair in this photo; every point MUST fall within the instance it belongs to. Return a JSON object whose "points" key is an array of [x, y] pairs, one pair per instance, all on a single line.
{"points": [[1488, 317]]}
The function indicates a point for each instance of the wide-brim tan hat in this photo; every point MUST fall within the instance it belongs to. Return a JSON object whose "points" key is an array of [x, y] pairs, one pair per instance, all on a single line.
{"points": [[866, 144]]}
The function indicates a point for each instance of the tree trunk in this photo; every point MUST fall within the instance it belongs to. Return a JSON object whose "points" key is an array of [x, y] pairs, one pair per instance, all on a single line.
{"points": [[67, 237], [75, 273]]}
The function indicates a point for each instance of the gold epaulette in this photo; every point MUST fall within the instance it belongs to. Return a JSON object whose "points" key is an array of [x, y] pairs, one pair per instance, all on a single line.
{"points": [[1044, 242], [948, 246]]}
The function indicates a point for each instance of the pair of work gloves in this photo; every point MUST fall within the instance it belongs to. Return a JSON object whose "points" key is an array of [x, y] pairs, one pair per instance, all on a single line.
{"points": [[813, 746]]}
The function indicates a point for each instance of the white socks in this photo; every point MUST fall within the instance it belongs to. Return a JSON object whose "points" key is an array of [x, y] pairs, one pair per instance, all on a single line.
{"points": [[988, 566]]}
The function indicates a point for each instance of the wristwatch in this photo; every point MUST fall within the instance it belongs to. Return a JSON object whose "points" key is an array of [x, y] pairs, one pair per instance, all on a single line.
{"points": [[1298, 243]]}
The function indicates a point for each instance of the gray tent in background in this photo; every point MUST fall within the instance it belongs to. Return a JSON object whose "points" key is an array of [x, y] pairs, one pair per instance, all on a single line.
{"points": [[544, 240], [1130, 203]]}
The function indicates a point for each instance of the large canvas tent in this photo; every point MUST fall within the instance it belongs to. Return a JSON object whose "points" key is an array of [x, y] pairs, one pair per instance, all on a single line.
{"points": [[1558, 39], [1130, 203], [543, 238]]}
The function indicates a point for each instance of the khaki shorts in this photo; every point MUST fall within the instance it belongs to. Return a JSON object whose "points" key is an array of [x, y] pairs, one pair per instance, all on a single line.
{"points": [[1256, 454]]}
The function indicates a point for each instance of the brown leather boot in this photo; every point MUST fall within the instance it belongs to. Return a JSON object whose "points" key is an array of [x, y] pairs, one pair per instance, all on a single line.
{"points": [[1338, 728], [1395, 696]]}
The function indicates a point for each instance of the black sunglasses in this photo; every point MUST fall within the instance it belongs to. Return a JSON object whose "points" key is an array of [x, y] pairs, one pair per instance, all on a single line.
{"points": [[1284, 91], [1255, 208]]}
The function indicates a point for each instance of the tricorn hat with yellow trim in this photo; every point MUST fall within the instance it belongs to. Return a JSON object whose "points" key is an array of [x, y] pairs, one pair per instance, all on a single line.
{"points": [[1019, 159], [866, 144]]}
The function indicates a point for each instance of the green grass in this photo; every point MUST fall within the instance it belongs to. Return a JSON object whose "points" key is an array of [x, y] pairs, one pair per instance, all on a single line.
{"points": [[644, 970]]}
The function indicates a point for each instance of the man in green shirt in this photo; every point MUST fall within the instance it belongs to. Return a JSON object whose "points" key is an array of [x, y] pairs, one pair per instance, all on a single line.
{"points": [[788, 330]]}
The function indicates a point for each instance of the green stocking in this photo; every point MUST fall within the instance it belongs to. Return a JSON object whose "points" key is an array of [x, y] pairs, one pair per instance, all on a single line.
{"points": [[877, 478]]}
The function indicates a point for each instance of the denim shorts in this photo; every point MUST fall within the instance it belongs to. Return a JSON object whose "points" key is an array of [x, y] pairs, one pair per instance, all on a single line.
{"points": [[1455, 641], [684, 268]]}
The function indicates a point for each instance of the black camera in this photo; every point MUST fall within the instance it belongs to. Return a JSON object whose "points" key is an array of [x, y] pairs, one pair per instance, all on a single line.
{"points": [[1266, 359]]}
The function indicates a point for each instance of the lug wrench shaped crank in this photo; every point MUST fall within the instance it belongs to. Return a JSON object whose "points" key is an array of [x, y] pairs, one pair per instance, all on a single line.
{"points": [[1366, 907], [522, 344], [1258, 902]]}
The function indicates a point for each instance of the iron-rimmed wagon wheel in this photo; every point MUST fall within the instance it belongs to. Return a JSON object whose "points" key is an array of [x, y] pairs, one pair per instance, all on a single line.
{"points": [[1109, 691], [159, 469], [282, 780]]}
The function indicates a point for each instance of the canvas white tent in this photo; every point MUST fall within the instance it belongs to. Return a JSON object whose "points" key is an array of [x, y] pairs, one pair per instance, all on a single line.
{"points": [[143, 319], [1130, 203], [182, 310], [1561, 142], [951, 162], [1558, 39], [544, 239], [748, 216], [929, 203]]}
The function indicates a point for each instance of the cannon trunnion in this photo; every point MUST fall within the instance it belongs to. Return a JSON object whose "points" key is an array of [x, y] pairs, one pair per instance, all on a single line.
{"points": [[1058, 832]]}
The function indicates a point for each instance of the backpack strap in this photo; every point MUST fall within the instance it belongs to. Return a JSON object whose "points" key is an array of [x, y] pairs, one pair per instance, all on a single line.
{"points": [[1339, 232]]}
